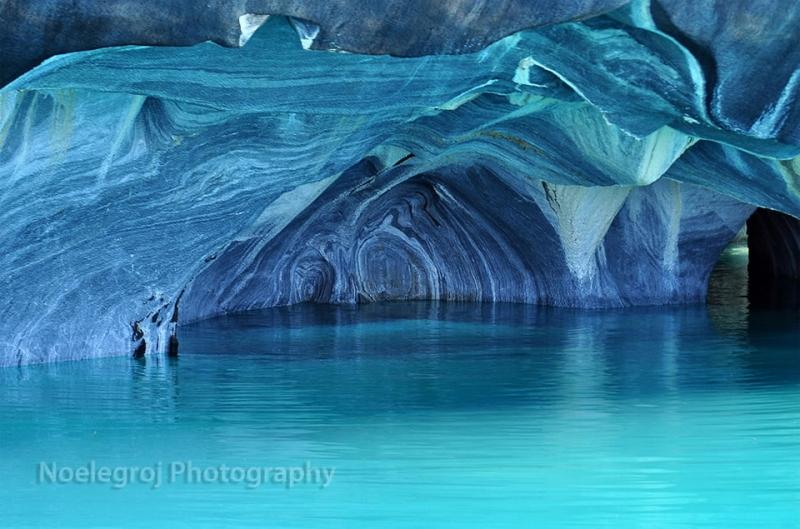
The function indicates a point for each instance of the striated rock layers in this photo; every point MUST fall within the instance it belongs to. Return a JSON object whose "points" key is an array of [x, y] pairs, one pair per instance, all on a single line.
{"points": [[603, 157]]}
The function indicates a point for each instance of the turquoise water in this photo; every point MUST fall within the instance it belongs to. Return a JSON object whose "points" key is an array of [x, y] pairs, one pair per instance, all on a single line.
{"points": [[432, 415]]}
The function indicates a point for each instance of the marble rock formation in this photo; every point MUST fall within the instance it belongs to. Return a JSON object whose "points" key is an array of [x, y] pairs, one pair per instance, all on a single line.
{"points": [[163, 163]]}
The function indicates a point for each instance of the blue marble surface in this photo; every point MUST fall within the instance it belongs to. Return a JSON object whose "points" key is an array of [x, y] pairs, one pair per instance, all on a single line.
{"points": [[597, 162]]}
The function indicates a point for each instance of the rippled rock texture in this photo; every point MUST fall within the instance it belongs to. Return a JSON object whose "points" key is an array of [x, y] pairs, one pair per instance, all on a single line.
{"points": [[602, 158]]}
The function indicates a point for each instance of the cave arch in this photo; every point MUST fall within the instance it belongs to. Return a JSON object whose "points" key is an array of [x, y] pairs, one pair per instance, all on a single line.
{"points": [[472, 233], [773, 241]]}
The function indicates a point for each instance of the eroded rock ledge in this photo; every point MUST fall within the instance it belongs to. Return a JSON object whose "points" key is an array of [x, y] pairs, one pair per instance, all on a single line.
{"points": [[602, 159]]}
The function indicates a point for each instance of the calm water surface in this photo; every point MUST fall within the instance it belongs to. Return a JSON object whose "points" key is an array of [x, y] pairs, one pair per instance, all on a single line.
{"points": [[433, 415]]}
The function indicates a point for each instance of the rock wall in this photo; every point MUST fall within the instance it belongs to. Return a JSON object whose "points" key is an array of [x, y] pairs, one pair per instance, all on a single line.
{"points": [[603, 159]]}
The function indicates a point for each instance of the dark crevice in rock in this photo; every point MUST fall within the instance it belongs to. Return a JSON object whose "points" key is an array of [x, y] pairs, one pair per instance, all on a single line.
{"points": [[403, 159], [172, 348], [140, 344]]}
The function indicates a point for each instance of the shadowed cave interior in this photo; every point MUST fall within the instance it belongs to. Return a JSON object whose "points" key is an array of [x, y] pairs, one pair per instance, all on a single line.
{"points": [[773, 241], [465, 234]]}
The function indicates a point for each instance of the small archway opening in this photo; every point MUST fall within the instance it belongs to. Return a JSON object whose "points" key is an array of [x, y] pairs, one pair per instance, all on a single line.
{"points": [[760, 268], [773, 259]]}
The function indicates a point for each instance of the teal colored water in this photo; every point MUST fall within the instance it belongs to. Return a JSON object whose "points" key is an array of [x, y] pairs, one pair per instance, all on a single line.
{"points": [[432, 415]]}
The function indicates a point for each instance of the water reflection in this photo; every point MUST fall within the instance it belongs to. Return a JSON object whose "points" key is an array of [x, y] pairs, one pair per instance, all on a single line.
{"points": [[434, 414], [530, 351]]}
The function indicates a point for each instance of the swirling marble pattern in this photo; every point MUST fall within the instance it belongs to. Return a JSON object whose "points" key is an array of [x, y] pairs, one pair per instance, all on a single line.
{"points": [[593, 163], [465, 234]]}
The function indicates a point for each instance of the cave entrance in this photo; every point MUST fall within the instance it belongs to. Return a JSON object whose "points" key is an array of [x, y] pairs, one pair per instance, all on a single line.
{"points": [[761, 266], [774, 259]]}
